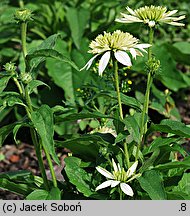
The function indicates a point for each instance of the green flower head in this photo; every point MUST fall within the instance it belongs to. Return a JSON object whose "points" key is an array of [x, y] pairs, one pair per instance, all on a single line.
{"points": [[151, 15]]}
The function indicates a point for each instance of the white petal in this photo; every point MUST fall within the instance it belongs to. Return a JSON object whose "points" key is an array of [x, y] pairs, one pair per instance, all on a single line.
{"points": [[123, 58], [126, 189], [89, 63], [176, 24], [119, 168], [114, 183], [114, 165], [104, 172], [132, 169], [104, 185], [133, 52], [104, 62], [132, 12], [170, 13], [142, 46]]}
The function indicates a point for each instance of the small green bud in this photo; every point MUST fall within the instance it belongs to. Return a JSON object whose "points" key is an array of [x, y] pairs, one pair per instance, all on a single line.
{"points": [[153, 65], [26, 77], [23, 15], [10, 67]]}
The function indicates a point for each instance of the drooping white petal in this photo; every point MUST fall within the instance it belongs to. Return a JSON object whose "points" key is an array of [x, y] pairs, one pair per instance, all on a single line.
{"points": [[103, 62], [114, 183], [126, 189], [133, 52], [114, 165], [104, 172], [104, 185], [132, 169], [89, 63], [131, 11], [128, 19], [123, 58]]}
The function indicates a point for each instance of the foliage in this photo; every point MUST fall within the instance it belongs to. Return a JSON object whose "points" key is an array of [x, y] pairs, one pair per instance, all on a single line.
{"points": [[43, 90]]}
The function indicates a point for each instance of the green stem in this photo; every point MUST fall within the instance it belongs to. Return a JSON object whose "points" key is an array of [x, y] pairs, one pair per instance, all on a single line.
{"points": [[117, 88], [21, 3], [39, 156], [23, 38], [126, 152], [120, 194], [50, 166], [18, 86], [37, 147], [143, 126]]}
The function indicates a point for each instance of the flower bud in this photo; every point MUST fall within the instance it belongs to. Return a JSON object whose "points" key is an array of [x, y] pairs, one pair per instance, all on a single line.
{"points": [[10, 67], [26, 77], [153, 66], [23, 15]]}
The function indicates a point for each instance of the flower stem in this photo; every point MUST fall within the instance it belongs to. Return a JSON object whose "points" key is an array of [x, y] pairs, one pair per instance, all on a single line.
{"points": [[126, 152], [117, 88], [23, 38], [143, 126]]}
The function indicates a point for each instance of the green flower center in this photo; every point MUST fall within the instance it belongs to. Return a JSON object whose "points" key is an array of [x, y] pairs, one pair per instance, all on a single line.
{"points": [[152, 13], [120, 175]]}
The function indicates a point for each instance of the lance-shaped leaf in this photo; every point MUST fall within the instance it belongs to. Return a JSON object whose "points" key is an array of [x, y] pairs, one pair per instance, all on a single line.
{"points": [[43, 122]]}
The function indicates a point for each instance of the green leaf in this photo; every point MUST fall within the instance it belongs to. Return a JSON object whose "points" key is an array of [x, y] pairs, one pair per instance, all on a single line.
{"points": [[180, 51], [50, 53], [87, 146], [5, 131], [175, 164], [43, 122], [54, 194], [48, 43], [169, 75], [170, 126], [133, 128], [77, 19], [34, 84], [127, 100], [38, 195], [151, 182], [18, 188], [161, 141], [183, 185], [150, 161], [3, 82], [78, 176]]}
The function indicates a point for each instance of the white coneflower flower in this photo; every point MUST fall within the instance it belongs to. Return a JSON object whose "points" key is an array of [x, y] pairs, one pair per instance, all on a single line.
{"points": [[119, 177], [151, 15], [117, 43]]}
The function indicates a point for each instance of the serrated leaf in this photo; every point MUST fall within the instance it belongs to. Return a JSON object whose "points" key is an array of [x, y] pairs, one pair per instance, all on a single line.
{"points": [[43, 122]]}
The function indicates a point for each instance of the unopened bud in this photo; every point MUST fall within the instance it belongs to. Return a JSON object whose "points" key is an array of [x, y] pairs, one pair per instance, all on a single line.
{"points": [[23, 15], [10, 67], [26, 77]]}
